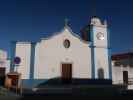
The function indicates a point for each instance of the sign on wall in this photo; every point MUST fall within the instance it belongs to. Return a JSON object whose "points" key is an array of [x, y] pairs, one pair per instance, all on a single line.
{"points": [[17, 60]]}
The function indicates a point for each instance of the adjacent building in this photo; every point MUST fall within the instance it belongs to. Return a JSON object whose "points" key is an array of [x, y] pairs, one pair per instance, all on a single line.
{"points": [[4, 65], [122, 69], [4, 62]]}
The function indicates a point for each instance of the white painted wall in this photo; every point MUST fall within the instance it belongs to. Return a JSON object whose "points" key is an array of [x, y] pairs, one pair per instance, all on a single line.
{"points": [[23, 50], [50, 54], [7, 66], [117, 73], [101, 29]]}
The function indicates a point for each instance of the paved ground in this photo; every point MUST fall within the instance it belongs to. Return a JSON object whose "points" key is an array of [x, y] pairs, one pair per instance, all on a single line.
{"points": [[88, 90], [68, 91]]}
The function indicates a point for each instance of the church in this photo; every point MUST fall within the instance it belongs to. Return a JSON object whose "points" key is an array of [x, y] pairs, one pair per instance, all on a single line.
{"points": [[65, 54]]}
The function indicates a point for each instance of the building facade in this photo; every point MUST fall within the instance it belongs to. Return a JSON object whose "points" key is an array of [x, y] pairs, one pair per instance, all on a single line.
{"points": [[122, 69], [65, 54], [4, 66], [4, 62]]}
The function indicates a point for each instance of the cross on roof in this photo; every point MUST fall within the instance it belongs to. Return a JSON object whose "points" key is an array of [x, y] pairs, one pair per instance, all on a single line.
{"points": [[66, 22]]}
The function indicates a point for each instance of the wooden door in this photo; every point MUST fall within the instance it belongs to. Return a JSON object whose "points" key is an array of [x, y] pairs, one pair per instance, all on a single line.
{"points": [[67, 71], [125, 77]]}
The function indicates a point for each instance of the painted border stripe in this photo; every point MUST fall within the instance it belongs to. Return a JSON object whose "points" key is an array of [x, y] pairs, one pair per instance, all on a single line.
{"points": [[92, 52], [32, 58], [12, 53], [109, 55]]}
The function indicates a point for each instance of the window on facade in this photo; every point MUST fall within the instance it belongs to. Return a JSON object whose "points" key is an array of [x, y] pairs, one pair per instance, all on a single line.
{"points": [[117, 63], [66, 43]]}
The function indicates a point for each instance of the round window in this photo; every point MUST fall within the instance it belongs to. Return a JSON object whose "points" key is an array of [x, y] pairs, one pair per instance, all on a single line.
{"points": [[66, 43]]}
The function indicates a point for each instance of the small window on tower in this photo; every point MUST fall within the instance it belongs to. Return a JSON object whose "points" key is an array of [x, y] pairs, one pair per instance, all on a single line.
{"points": [[66, 43]]}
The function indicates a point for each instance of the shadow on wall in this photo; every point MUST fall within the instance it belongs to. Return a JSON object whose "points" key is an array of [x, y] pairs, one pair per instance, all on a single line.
{"points": [[75, 81]]}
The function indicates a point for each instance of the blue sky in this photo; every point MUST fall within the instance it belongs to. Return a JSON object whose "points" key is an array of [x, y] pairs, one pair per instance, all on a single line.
{"points": [[32, 19]]}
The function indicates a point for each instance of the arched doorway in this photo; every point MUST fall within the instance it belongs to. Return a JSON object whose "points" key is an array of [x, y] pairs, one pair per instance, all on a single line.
{"points": [[100, 73]]}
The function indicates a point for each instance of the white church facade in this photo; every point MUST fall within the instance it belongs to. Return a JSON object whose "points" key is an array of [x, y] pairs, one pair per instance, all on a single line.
{"points": [[65, 54]]}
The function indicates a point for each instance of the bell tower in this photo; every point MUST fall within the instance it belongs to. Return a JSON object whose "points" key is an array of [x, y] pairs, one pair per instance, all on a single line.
{"points": [[100, 50]]}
